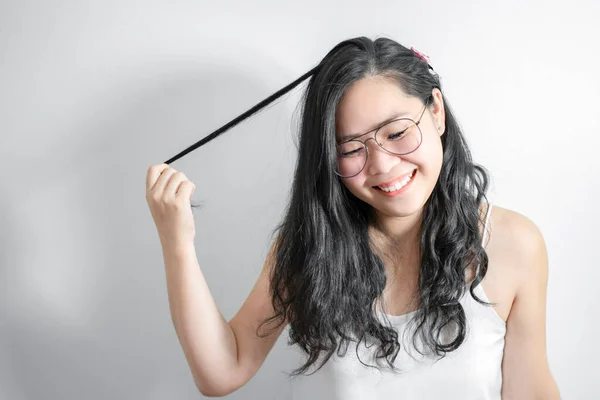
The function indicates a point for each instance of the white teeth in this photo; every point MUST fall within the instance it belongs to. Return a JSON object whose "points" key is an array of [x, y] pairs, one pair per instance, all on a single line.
{"points": [[398, 185]]}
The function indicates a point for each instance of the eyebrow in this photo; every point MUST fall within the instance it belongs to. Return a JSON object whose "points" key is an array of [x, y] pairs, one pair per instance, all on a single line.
{"points": [[385, 121]]}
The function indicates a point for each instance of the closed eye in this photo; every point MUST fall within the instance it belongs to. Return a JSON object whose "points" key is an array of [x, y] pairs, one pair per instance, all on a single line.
{"points": [[397, 135], [352, 153]]}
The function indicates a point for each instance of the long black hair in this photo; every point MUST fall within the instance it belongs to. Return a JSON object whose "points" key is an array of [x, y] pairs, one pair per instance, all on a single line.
{"points": [[326, 277]]}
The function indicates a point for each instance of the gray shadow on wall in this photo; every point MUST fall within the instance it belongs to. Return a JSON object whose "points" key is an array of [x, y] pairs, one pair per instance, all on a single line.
{"points": [[129, 348]]}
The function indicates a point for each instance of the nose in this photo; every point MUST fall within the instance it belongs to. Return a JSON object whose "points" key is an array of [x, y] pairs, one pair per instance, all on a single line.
{"points": [[380, 161]]}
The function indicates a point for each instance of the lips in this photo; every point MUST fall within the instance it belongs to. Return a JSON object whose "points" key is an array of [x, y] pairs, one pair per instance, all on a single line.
{"points": [[399, 188], [394, 181]]}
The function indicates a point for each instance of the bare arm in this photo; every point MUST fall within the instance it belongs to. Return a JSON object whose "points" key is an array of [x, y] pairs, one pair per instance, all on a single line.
{"points": [[222, 356], [525, 370]]}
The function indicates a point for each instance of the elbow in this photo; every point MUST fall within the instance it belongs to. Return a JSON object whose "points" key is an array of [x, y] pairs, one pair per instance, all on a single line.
{"points": [[217, 389], [213, 394], [218, 380], [212, 391]]}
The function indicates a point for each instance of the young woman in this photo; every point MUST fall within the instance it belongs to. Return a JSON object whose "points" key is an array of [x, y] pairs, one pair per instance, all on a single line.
{"points": [[396, 276]]}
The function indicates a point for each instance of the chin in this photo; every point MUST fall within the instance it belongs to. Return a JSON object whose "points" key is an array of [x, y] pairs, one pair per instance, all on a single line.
{"points": [[400, 210]]}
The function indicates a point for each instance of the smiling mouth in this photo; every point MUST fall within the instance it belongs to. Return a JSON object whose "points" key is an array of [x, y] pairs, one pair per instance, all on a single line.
{"points": [[398, 185]]}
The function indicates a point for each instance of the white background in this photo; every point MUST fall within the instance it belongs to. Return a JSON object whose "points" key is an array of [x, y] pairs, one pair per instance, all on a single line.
{"points": [[93, 92]]}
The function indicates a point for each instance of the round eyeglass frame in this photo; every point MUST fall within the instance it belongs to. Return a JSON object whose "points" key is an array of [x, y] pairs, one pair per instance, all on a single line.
{"points": [[364, 143]]}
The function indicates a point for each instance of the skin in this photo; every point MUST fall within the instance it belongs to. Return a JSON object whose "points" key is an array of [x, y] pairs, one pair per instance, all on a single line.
{"points": [[518, 264]]}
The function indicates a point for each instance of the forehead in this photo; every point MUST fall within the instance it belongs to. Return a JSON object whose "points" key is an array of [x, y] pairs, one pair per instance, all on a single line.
{"points": [[370, 101]]}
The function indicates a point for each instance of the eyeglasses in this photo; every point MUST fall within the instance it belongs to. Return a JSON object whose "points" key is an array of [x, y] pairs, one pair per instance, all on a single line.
{"points": [[400, 137]]}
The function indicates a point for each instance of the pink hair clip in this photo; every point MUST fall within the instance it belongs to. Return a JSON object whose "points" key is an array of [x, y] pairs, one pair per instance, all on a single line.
{"points": [[420, 55], [425, 58]]}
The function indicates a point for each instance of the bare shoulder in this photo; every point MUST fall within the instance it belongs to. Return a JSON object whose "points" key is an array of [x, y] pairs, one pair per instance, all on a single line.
{"points": [[530, 255], [525, 370], [511, 230], [516, 254]]}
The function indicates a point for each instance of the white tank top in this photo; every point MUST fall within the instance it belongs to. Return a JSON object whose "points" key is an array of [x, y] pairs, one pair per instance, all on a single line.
{"points": [[472, 372]]}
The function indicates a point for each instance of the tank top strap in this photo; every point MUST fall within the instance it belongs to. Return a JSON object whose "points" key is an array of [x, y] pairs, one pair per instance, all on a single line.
{"points": [[485, 226], [484, 234]]}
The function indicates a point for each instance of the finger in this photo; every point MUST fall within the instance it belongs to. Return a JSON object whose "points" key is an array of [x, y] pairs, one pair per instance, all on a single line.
{"points": [[154, 171], [173, 185], [186, 190], [160, 187]]}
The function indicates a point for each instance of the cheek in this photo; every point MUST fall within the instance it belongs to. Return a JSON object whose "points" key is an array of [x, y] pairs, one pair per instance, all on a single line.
{"points": [[352, 184], [429, 156], [356, 186], [437, 157]]}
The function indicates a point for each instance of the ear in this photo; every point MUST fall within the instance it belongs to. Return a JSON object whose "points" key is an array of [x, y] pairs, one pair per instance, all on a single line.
{"points": [[438, 111]]}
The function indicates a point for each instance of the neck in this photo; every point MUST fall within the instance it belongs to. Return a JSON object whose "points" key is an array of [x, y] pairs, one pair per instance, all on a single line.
{"points": [[396, 240], [401, 232]]}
